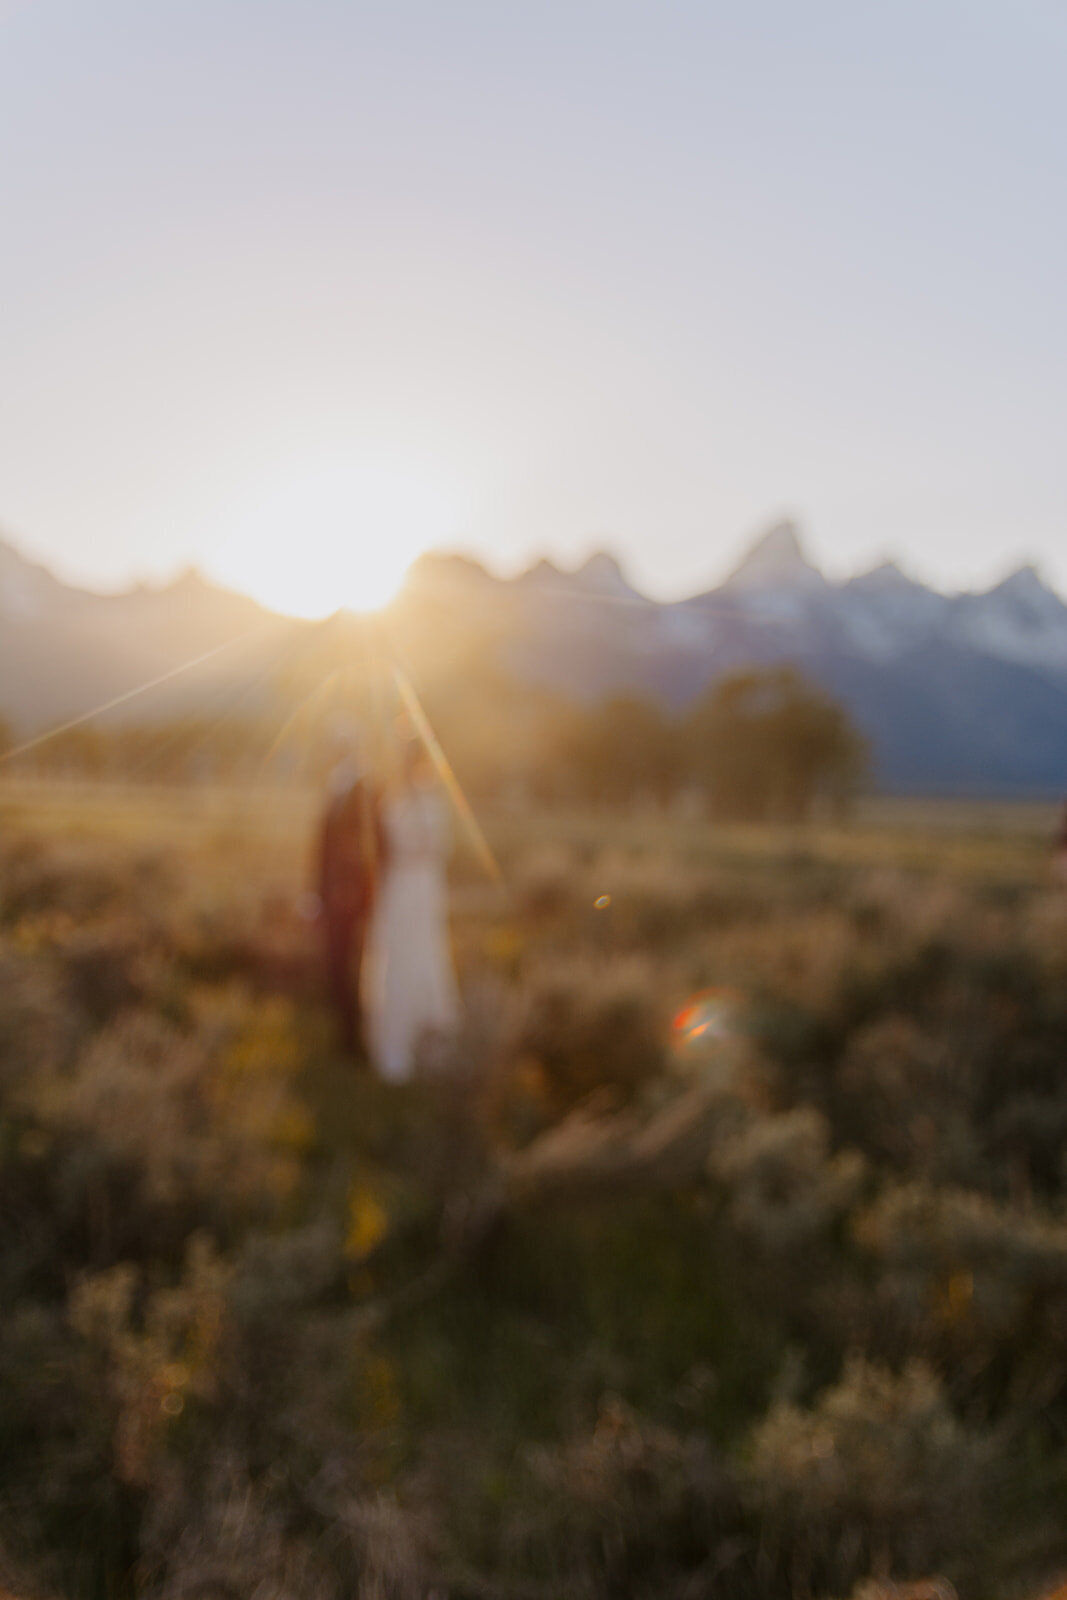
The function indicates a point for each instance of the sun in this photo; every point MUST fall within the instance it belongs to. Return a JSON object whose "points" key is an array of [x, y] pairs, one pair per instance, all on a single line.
{"points": [[314, 542]]}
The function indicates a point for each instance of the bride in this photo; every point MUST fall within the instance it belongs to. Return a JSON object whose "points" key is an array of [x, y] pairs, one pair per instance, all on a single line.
{"points": [[410, 991]]}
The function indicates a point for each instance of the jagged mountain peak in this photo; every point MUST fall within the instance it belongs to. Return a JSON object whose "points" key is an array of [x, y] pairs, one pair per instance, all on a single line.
{"points": [[600, 574], [887, 577], [448, 566], [1026, 584], [543, 572], [603, 574], [600, 564], [776, 560]]}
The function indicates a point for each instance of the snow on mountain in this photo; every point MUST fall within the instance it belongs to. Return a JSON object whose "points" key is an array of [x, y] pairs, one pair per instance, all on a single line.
{"points": [[884, 613], [1021, 619], [964, 691], [778, 599], [888, 586], [776, 562], [957, 692]]}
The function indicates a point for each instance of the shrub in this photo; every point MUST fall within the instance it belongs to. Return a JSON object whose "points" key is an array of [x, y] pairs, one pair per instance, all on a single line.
{"points": [[962, 1275], [632, 1508], [784, 1188], [593, 1028], [878, 1474]]}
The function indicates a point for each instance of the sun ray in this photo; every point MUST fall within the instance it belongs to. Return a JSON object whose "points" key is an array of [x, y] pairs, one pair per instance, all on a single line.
{"points": [[319, 689], [226, 696], [130, 694], [413, 706]]}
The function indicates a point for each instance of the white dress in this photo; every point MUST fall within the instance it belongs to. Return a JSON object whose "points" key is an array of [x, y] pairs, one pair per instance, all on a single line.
{"points": [[409, 987]]}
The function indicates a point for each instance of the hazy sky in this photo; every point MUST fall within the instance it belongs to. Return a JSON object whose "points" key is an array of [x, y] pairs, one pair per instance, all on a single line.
{"points": [[537, 276]]}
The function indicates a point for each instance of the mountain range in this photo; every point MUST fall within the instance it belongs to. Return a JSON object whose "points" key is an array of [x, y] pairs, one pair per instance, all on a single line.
{"points": [[958, 694], [963, 693], [65, 650]]}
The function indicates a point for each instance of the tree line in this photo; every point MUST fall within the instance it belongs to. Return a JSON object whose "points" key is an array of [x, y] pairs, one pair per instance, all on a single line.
{"points": [[763, 745]]}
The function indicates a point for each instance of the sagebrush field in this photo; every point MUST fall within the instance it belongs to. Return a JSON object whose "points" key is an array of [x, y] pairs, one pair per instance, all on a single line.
{"points": [[770, 1300]]}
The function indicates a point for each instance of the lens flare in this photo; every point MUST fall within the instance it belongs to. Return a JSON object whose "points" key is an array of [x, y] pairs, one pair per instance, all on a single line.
{"points": [[709, 1019]]}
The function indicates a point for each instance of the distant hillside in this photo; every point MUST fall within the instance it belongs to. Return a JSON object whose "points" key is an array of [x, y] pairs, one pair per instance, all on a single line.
{"points": [[958, 693], [64, 650]]}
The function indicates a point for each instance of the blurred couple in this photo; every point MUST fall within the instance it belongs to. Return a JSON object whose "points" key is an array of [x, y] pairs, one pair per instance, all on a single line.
{"points": [[384, 909]]}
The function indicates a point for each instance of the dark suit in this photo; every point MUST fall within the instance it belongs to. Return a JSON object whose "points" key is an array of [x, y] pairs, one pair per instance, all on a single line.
{"points": [[350, 856]]}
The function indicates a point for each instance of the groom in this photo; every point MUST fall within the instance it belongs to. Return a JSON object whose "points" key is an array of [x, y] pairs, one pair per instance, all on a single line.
{"points": [[350, 859]]}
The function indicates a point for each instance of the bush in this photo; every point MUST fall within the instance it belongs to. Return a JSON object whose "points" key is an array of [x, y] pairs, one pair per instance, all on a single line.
{"points": [[784, 1189], [573, 1315], [962, 1275], [878, 1474], [632, 1508], [593, 1028]]}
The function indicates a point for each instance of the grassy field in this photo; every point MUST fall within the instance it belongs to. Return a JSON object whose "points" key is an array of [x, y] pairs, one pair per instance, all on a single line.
{"points": [[729, 1258]]}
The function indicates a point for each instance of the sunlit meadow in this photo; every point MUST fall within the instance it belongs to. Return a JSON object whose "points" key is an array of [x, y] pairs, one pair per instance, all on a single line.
{"points": [[730, 1257]]}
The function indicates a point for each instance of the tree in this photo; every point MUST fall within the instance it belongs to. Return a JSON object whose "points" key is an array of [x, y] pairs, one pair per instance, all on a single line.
{"points": [[621, 749], [768, 745]]}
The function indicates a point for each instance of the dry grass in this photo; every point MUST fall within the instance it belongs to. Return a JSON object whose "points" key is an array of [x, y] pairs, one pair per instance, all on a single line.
{"points": [[776, 1308]]}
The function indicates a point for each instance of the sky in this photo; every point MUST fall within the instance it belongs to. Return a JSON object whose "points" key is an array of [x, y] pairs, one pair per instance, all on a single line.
{"points": [[296, 287]]}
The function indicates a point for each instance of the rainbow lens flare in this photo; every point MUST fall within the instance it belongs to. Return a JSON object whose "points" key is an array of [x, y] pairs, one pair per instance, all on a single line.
{"points": [[710, 1018]]}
